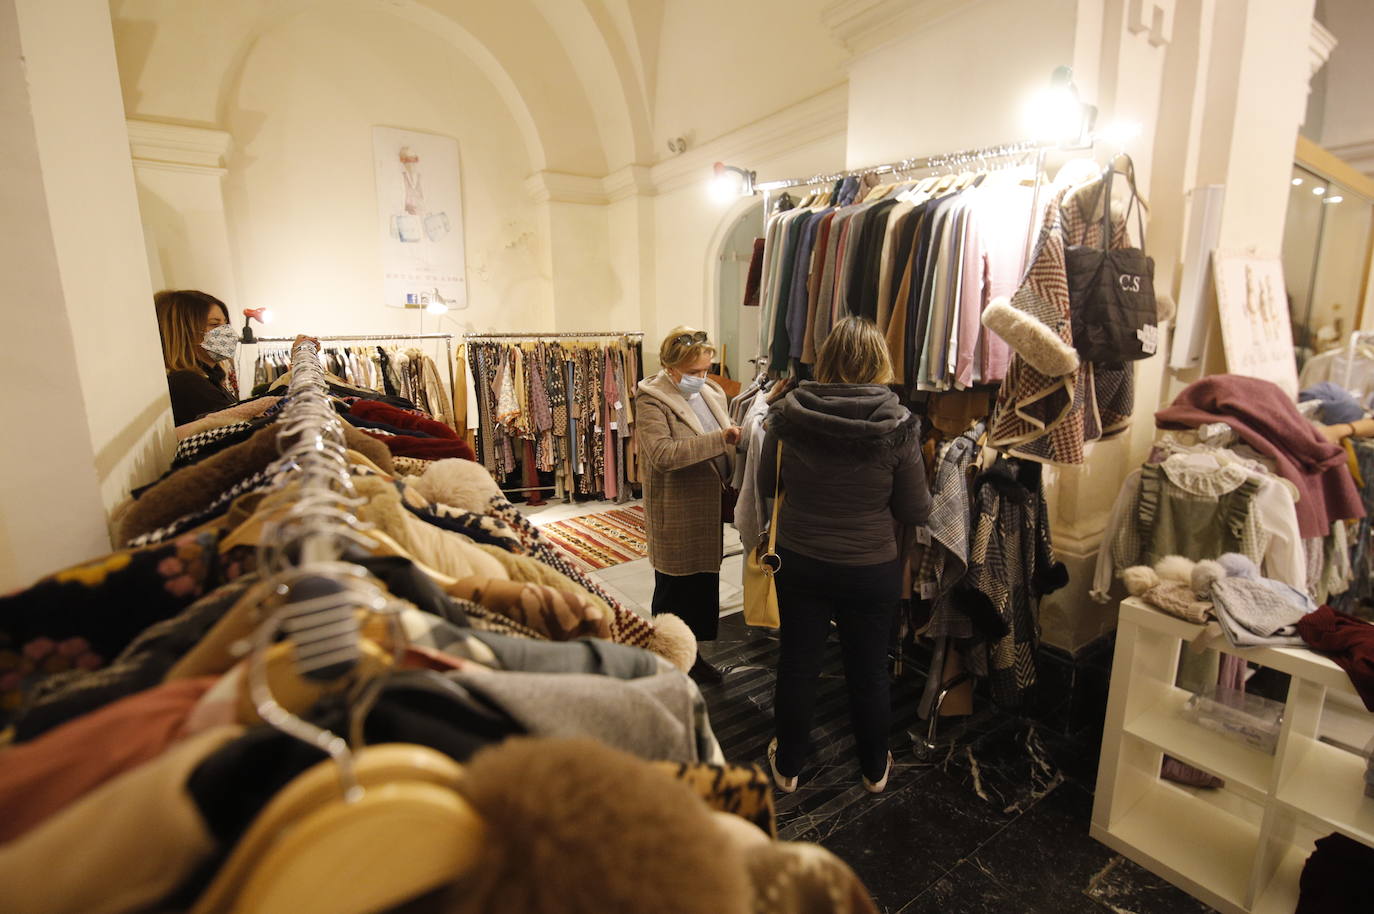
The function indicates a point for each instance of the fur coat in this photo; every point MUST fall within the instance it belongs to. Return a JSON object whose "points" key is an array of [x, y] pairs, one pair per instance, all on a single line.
{"points": [[682, 487]]}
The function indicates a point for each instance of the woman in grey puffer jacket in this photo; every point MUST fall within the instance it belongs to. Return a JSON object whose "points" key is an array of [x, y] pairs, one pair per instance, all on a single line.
{"points": [[851, 475]]}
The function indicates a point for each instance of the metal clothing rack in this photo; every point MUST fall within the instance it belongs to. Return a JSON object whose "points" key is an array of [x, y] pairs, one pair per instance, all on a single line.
{"points": [[478, 337], [389, 337], [960, 157], [570, 334]]}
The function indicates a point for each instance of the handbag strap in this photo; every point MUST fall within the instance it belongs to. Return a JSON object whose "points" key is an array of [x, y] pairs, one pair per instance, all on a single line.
{"points": [[777, 501], [1129, 175]]}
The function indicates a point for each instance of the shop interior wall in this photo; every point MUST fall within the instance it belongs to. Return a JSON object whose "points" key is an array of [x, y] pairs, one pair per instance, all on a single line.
{"points": [[300, 191], [958, 83]]}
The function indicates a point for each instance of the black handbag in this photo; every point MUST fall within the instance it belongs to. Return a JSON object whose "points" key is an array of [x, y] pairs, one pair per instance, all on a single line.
{"points": [[1112, 306]]}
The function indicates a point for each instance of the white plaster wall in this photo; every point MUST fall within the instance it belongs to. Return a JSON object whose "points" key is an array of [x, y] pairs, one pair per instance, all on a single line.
{"points": [[300, 191], [183, 215], [689, 228], [723, 65], [958, 84]]}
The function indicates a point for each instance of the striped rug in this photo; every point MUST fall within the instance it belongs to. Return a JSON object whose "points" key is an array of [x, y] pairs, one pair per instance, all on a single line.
{"points": [[601, 540]]}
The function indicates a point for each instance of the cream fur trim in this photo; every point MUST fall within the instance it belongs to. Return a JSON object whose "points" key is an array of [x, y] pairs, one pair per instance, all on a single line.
{"points": [[459, 483], [1040, 346], [674, 641]]}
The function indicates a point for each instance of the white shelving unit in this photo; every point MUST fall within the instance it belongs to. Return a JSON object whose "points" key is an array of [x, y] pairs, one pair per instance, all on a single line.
{"points": [[1240, 848]]}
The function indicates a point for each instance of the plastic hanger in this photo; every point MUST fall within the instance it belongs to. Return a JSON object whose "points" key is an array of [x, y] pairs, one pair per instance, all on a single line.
{"points": [[390, 812]]}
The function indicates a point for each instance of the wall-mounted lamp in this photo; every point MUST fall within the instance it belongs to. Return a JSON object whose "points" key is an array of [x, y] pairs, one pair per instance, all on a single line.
{"points": [[261, 315], [731, 183], [1056, 113]]}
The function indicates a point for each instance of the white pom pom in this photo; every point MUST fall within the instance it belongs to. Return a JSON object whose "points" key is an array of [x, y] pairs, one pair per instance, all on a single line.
{"points": [[1139, 579], [1175, 568], [1204, 573]]}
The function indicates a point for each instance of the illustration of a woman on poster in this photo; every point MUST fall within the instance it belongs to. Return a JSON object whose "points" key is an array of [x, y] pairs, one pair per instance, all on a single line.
{"points": [[415, 217]]}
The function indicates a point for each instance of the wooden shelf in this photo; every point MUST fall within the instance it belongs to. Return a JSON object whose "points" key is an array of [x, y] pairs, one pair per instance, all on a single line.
{"points": [[1326, 787], [1199, 848], [1247, 771]]}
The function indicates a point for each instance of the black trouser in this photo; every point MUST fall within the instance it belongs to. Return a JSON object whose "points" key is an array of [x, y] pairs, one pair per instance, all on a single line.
{"points": [[695, 598], [862, 599]]}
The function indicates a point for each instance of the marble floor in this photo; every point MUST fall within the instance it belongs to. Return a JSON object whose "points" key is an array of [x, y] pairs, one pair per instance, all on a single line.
{"points": [[996, 822]]}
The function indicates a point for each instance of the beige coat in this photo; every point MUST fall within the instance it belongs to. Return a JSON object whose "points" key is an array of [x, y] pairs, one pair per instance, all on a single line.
{"points": [[682, 488]]}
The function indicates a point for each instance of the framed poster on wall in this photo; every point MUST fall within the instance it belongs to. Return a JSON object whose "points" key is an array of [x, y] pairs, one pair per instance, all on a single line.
{"points": [[1255, 329], [420, 218]]}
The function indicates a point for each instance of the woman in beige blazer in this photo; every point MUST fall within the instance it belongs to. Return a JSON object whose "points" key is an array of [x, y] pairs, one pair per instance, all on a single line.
{"points": [[687, 446]]}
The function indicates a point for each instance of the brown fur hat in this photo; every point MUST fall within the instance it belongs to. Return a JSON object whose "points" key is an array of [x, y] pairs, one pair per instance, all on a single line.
{"points": [[576, 827]]}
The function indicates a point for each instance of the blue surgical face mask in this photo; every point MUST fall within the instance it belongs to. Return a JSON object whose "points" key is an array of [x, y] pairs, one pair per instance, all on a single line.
{"points": [[691, 384]]}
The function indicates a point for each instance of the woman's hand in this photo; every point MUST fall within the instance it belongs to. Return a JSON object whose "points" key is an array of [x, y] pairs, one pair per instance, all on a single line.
{"points": [[732, 435], [302, 338]]}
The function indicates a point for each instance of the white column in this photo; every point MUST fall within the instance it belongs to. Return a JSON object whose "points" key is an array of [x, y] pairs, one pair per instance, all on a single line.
{"points": [[180, 172], [85, 407]]}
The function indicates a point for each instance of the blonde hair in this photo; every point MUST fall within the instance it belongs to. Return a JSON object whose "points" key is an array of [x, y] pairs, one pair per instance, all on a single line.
{"points": [[854, 353], [674, 351], [181, 317]]}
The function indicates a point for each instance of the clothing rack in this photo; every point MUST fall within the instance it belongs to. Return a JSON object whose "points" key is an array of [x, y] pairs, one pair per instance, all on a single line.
{"points": [[520, 336], [384, 337], [303, 551], [960, 157], [570, 334]]}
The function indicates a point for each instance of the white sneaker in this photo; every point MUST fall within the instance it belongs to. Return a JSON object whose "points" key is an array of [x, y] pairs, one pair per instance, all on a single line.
{"points": [[786, 785], [879, 785]]}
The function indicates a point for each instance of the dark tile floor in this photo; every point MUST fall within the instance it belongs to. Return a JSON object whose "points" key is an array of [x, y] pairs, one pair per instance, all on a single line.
{"points": [[996, 822]]}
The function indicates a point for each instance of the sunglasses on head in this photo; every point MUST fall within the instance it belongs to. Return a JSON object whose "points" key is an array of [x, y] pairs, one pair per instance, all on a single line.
{"points": [[688, 339]]}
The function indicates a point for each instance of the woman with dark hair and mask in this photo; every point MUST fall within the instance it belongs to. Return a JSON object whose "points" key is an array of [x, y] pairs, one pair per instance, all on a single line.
{"points": [[687, 444], [851, 475], [196, 338]]}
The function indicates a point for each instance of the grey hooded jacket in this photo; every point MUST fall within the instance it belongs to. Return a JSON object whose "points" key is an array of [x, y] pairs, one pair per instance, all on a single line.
{"points": [[851, 472]]}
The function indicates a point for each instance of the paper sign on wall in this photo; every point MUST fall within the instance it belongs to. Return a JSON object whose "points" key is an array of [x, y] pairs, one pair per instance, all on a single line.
{"points": [[420, 218], [1255, 329]]}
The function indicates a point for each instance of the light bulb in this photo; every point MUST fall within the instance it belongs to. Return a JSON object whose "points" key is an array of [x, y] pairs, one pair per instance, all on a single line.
{"points": [[1319, 191], [726, 187], [436, 307], [1334, 198], [1297, 182], [1054, 114], [266, 317]]}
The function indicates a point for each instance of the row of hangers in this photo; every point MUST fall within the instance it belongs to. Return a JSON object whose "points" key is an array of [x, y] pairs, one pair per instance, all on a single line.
{"points": [[392, 811], [949, 176]]}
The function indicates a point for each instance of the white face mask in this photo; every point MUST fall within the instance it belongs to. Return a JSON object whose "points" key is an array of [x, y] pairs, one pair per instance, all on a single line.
{"points": [[690, 384], [221, 342]]}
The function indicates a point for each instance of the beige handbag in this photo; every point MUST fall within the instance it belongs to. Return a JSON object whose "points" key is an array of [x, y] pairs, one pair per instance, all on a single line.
{"points": [[760, 588]]}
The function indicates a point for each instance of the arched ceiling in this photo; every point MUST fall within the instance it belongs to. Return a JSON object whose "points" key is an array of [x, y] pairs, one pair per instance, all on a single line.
{"points": [[576, 75]]}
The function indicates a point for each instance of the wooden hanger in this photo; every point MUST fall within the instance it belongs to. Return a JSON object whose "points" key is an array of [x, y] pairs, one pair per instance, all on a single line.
{"points": [[310, 850]]}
